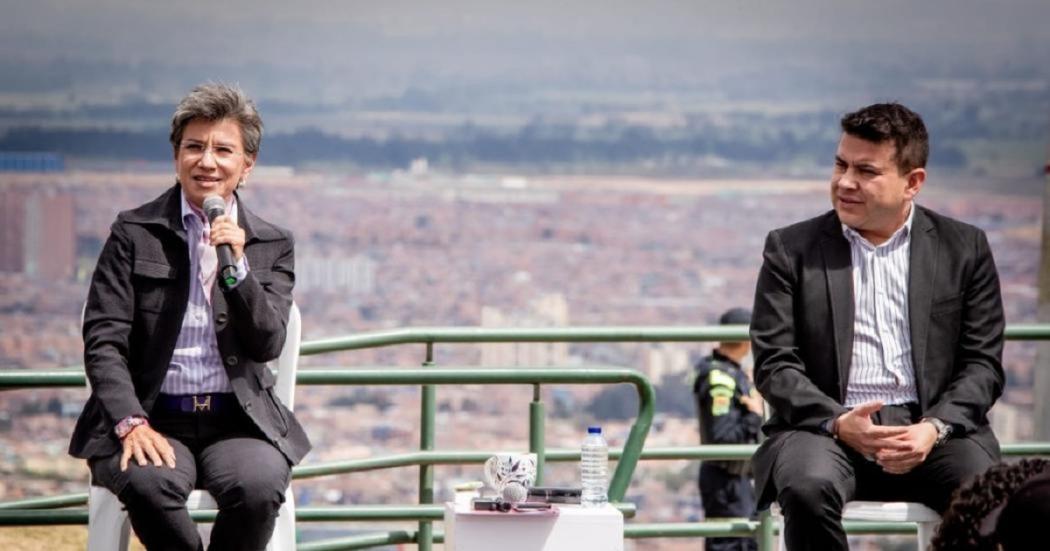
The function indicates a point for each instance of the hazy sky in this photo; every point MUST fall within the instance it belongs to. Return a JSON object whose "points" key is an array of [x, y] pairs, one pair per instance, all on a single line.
{"points": [[256, 30], [330, 50]]}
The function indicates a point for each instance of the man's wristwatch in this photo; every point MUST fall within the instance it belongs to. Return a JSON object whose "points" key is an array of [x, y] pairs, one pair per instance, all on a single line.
{"points": [[828, 428], [944, 430]]}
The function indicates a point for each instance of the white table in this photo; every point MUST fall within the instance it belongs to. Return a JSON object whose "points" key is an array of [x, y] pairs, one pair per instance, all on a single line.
{"points": [[575, 528]]}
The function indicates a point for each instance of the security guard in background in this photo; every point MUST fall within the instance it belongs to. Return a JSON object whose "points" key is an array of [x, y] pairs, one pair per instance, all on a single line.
{"points": [[730, 412]]}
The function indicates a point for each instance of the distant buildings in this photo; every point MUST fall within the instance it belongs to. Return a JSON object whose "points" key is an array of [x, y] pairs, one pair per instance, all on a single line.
{"points": [[1011, 422], [551, 310], [354, 276], [663, 359], [13, 161], [37, 233]]}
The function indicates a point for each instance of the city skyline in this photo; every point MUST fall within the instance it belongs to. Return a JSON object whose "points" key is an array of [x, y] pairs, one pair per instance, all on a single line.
{"points": [[436, 250]]}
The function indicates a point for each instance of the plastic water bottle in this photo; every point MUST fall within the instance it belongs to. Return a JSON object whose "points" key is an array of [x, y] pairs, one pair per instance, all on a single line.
{"points": [[594, 469]]}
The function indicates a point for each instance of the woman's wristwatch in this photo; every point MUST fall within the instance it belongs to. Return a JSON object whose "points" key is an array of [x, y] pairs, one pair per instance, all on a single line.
{"points": [[127, 424]]}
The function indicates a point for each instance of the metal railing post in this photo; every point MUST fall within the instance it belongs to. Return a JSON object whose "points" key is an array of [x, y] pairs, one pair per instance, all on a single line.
{"points": [[537, 432], [426, 443], [632, 449]]}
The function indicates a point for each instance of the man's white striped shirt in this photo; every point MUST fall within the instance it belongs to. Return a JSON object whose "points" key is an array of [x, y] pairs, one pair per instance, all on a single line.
{"points": [[881, 366]]}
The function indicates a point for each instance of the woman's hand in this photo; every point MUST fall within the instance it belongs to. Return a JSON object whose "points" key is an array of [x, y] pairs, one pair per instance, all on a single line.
{"points": [[225, 231], [143, 443]]}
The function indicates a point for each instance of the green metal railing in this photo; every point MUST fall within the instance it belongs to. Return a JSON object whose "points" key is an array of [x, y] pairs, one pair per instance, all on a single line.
{"points": [[41, 510], [30, 513], [434, 335]]}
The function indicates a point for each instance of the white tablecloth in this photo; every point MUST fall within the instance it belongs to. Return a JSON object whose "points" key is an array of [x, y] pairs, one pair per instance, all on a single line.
{"points": [[575, 528]]}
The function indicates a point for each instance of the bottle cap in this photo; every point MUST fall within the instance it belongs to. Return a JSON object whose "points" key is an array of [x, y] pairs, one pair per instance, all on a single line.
{"points": [[594, 430]]}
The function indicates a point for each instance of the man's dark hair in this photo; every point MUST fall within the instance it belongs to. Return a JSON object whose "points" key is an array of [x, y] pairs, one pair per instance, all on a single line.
{"points": [[961, 527], [892, 122]]}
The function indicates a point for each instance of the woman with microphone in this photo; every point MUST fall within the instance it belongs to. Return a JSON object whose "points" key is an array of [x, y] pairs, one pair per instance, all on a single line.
{"points": [[189, 300]]}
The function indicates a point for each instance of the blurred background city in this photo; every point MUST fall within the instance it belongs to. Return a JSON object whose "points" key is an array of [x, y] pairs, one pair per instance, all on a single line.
{"points": [[499, 164]]}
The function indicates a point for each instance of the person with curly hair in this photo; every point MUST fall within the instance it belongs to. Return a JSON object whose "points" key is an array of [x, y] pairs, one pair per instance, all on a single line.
{"points": [[984, 515]]}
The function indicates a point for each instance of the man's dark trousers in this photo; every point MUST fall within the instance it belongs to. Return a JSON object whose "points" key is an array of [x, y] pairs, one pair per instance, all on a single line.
{"points": [[816, 475], [726, 495], [220, 452]]}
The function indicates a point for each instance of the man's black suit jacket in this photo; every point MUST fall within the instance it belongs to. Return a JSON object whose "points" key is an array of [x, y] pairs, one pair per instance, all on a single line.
{"points": [[134, 313], [802, 328]]}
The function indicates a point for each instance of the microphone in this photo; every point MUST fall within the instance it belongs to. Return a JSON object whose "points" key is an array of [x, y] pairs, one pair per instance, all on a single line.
{"points": [[214, 207]]}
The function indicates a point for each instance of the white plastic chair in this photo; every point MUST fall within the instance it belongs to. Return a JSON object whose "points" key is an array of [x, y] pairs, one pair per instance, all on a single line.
{"points": [[886, 511], [897, 511], [108, 525]]}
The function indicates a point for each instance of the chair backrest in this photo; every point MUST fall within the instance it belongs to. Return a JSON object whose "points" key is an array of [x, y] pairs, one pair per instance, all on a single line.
{"points": [[287, 363]]}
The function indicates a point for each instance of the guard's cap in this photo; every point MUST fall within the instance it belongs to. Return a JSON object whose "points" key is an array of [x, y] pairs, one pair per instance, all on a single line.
{"points": [[736, 316]]}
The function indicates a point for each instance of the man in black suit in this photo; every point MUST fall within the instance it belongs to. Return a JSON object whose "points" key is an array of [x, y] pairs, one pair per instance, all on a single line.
{"points": [[877, 335], [181, 396]]}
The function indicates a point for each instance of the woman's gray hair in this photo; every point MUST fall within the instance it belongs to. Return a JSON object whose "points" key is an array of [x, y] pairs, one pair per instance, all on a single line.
{"points": [[214, 102]]}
